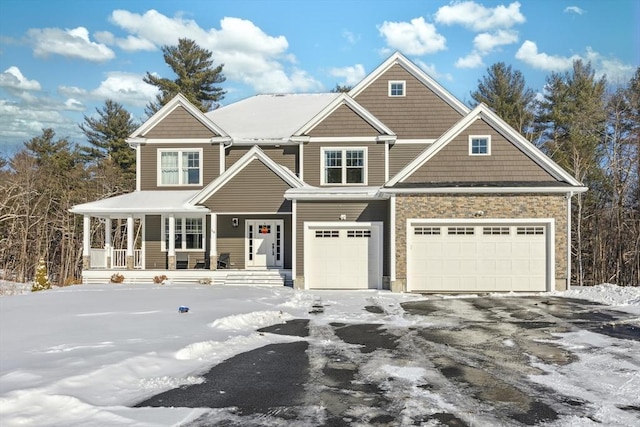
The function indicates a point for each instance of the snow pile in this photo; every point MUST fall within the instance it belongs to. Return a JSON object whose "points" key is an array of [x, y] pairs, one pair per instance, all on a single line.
{"points": [[251, 321], [607, 294], [8, 288]]}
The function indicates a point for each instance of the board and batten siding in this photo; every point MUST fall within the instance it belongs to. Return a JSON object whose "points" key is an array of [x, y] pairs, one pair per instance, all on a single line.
{"points": [[313, 163], [505, 164], [313, 211], [210, 163], [286, 156], [179, 124], [233, 239], [254, 189], [343, 122], [420, 114], [400, 155]]}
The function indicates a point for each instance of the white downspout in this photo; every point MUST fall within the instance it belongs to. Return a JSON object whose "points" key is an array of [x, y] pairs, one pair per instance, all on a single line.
{"points": [[569, 197]]}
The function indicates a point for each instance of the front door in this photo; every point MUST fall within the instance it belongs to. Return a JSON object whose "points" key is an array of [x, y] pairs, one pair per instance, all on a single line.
{"points": [[264, 246]]}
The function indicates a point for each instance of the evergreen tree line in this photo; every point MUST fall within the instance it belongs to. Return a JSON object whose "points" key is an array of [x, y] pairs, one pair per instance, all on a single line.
{"points": [[585, 124]]}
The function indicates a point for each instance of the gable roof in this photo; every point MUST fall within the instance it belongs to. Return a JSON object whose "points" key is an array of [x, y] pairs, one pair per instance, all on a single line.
{"points": [[177, 101], [485, 113], [345, 99], [269, 117], [255, 153], [414, 70]]}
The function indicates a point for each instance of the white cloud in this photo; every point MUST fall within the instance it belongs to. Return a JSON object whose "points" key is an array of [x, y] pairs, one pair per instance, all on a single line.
{"points": [[478, 17], [473, 60], [615, 71], [351, 75], [74, 43], [574, 9], [528, 53], [487, 42], [350, 37], [13, 79], [130, 43], [125, 88], [413, 38], [249, 54]]}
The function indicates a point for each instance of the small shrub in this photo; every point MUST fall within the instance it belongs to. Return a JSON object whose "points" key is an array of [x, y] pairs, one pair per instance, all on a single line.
{"points": [[117, 278], [160, 279], [41, 281], [205, 281]]}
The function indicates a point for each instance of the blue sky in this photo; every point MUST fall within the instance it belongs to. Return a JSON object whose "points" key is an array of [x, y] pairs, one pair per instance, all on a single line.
{"points": [[61, 60]]}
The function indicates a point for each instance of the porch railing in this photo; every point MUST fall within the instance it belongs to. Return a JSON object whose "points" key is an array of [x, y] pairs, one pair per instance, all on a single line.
{"points": [[118, 258]]}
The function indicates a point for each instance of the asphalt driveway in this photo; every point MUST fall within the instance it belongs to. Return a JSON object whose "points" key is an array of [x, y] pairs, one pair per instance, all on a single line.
{"points": [[474, 359]]}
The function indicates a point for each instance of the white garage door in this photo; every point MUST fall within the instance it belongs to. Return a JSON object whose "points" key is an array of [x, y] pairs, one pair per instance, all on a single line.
{"points": [[475, 257], [343, 256]]}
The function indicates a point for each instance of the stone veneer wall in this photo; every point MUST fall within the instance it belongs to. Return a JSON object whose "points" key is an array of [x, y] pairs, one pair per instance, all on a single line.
{"points": [[494, 206]]}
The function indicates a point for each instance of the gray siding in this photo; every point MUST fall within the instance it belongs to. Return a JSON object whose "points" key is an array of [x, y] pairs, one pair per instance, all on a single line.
{"points": [[400, 155], [255, 189], [286, 156], [149, 164], [232, 239], [179, 124], [377, 210], [344, 122], [454, 164], [419, 114], [313, 162]]}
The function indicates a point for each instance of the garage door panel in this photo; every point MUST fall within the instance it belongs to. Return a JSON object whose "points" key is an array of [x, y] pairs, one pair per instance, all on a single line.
{"points": [[472, 257]]}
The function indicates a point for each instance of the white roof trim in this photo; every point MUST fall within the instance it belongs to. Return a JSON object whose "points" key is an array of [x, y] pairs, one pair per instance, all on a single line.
{"points": [[168, 108], [344, 99], [483, 112], [142, 202], [413, 69], [333, 193], [254, 153], [491, 190]]}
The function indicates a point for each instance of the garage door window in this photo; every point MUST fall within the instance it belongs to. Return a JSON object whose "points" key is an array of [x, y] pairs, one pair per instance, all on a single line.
{"points": [[430, 231], [327, 233], [358, 233], [460, 231], [521, 231], [495, 231]]}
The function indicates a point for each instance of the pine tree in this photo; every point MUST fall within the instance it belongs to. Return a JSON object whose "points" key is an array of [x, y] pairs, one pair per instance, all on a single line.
{"points": [[196, 77], [41, 281], [504, 91]]}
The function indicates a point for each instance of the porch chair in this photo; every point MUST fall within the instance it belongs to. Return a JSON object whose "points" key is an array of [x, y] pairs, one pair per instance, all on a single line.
{"points": [[224, 260]]}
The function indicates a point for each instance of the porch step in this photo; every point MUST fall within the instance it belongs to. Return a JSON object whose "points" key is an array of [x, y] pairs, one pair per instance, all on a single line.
{"points": [[257, 277]]}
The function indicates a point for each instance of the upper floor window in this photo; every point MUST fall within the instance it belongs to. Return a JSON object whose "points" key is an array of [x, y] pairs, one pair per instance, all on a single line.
{"points": [[480, 145], [180, 167], [344, 166], [397, 88]]}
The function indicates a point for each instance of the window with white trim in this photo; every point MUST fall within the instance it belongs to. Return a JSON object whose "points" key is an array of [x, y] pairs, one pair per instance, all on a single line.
{"points": [[189, 234], [397, 88], [180, 167], [480, 145], [344, 166]]}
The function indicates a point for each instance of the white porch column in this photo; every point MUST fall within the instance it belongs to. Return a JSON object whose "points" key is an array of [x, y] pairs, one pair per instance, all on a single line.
{"points": [[130, 242], [213, 242], [107, 240], [171, 250], [86, 242]]}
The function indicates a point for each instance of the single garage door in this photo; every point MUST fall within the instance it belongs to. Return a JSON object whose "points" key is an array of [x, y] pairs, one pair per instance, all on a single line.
{"points": [[459, 257], [343, 255]]}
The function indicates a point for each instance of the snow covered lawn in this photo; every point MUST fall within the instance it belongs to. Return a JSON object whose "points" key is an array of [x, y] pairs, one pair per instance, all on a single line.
{"points": [[82, 355]]}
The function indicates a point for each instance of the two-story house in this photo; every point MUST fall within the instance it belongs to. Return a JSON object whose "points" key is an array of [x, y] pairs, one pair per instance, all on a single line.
{"points": [[395, 184]]}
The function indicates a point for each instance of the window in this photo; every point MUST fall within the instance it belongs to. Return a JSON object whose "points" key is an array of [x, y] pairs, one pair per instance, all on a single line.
{"points": [[428, 231], [188, 234], [344, 166], [521, 231], [396, 88], [479, 145], [179, 167], [460, 230], [328, 233], [358, 233], [495, 231]]}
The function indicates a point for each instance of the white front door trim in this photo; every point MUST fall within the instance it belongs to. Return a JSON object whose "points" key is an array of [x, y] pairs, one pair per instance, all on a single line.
{"points": [[264, 243]]}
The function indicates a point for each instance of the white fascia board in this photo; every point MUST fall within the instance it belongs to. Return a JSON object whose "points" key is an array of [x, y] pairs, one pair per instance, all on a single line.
{"points": [[269, 142], [414, 141], [347, 139], [424, 78], [480, 190], [334, 193], [134, 142]]}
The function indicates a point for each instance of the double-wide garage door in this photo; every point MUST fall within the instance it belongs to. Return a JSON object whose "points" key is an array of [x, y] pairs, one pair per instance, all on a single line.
{"points": [[340, 255], [472, 257]]}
